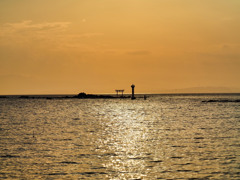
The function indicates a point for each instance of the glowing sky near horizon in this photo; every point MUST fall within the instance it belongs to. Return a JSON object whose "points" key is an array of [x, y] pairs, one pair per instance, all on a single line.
{"points": [[97, 46]]}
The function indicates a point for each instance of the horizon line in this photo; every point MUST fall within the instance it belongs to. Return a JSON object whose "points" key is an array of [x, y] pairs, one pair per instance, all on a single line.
{"points": [[167, 93]]}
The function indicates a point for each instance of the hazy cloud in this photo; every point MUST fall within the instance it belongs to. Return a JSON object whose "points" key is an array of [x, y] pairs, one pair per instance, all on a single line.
{"points": [[31, 34], [30, 25], [47, 35]]}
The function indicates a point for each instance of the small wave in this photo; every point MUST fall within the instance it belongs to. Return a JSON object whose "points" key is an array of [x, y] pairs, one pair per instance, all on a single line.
{"points": [[198, 137], [90, 173], [216, 172], [184, 170], [208, 159], [179, 146], [68, 162], [221, 100], [54, 174], [98, 167], [108, 154], [166, 171], [184, 164], [176, 157], [87, 155], [79, 145], [9, 156], [235, 145], [138, 158], [156, 161]]}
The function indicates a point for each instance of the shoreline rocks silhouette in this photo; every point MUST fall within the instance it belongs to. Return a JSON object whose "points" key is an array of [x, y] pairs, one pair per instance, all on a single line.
{"points": [[81, 95]]}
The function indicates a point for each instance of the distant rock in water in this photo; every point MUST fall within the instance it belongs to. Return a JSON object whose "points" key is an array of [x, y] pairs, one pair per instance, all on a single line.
{"points": [[83, 95], [3, 97], [24, 97], [221, 100]]}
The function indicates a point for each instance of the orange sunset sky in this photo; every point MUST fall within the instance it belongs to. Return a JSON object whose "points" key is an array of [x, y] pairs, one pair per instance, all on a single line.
{"points": [[97, 46]]}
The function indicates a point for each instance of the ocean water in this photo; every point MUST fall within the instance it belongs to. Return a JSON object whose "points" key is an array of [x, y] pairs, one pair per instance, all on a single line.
{"points": [[163, 137]]}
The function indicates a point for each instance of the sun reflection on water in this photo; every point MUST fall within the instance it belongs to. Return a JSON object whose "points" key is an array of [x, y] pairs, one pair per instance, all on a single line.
{"points": [[128, 136]]}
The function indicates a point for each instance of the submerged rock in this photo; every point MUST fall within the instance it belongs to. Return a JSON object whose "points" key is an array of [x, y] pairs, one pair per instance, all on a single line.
{"points": [[222, 100]]}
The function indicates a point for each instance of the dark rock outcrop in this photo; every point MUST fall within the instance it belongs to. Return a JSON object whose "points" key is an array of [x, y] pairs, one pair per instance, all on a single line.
{"points": [[83, 95], [221, 100]]}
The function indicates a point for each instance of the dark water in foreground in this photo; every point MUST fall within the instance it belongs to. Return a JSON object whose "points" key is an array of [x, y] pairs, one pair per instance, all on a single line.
{"points": [[163, 137]]}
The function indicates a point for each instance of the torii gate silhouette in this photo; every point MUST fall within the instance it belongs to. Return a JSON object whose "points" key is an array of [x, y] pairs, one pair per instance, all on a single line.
{"points": [[119, 90]]}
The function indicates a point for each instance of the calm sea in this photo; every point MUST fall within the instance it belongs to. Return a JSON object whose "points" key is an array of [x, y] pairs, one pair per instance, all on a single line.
{"points": [[163, 137]]}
